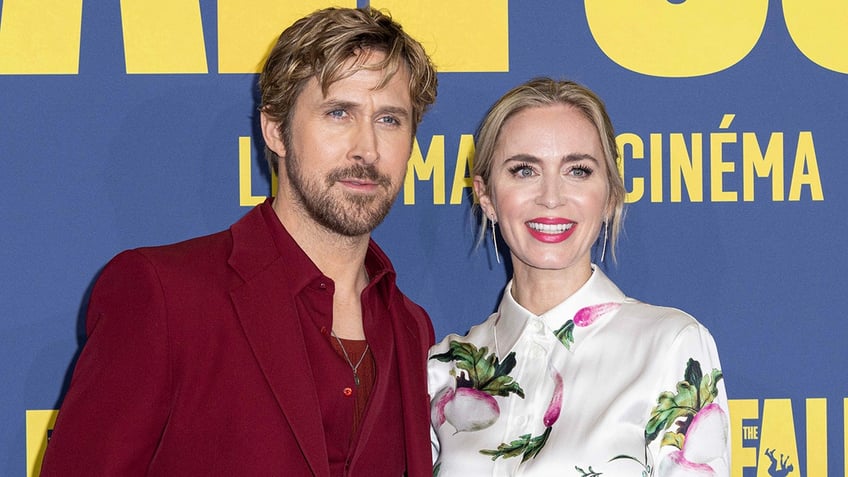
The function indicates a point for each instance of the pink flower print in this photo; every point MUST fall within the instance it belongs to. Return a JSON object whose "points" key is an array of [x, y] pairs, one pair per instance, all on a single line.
{"points": [[587, 315], [676, 465], [706, 439], [437, 413], [555, 406], [466, 409]]}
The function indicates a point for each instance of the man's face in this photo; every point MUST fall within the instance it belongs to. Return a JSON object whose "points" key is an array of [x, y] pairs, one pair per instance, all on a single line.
{"points": [[345, 155]]}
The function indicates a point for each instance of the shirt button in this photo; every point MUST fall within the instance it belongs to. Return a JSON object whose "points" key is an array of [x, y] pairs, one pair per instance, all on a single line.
{"points": [[322, 286], [348, 392], [536, 351], [538, 326]]}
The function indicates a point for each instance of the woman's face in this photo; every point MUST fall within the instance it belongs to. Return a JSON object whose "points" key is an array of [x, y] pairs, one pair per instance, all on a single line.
{"points": [[547, 188]]}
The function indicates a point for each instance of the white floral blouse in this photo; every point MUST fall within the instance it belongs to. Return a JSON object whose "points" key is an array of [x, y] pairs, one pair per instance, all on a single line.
{"points": [[601, 385]]}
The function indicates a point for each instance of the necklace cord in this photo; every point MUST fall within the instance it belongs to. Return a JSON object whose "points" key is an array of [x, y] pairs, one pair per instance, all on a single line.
{"points": [[354, 367]]}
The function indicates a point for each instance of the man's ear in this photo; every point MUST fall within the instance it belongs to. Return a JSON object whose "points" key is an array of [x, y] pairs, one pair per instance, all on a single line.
{"points": [[482, 193], [272, 135]]}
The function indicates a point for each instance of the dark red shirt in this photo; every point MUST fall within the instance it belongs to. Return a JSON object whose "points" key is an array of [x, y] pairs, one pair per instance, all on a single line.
{"points": [[346, 408]]}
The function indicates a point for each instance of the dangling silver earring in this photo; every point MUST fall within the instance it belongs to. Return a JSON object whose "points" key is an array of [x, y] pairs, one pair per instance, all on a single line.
{"points": [[606, 234], [495, 240]]}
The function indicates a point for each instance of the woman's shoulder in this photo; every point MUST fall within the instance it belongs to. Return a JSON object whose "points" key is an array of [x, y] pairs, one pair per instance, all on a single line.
{"points": [[479, 335], [661, 318]]}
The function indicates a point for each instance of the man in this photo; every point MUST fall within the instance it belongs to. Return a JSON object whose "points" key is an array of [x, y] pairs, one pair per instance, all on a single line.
{"points": [[281, 346]]}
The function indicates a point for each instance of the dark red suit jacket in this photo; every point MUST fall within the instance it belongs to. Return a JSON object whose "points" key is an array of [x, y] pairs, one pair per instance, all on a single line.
{"points": [[190, 368]]}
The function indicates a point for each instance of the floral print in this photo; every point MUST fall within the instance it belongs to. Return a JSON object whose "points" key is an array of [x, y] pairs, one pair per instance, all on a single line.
{"points": [[526, 445], [564, 398], [471, 406]]}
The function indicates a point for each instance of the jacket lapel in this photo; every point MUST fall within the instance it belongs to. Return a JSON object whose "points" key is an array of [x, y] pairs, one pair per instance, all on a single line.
{"points": [[413, 391], [266, 311]]}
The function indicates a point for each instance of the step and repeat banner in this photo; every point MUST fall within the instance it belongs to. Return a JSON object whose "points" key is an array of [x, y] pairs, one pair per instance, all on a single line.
{"points": [[134, 123]]}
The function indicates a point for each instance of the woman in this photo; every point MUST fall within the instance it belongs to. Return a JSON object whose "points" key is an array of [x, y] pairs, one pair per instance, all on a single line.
{"points": [[569, 377]]}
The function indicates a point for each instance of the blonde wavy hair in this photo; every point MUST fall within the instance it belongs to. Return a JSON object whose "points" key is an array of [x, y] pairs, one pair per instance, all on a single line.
{"points": [[320, 44]]}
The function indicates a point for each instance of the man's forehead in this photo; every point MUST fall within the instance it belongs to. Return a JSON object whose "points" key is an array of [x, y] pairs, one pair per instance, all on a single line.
{"points": [[377, 83]]}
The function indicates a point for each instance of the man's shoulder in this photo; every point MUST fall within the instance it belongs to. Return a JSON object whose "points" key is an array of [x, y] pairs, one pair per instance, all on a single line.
{"points": [[213, 248], [206, 248]]}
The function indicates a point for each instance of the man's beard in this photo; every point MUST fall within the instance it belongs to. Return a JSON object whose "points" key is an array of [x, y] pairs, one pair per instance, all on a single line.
{"points": [[347, 214]]}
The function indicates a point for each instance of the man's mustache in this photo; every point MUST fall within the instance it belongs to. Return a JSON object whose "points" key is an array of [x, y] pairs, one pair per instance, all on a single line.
{"points": [[359, 172]]}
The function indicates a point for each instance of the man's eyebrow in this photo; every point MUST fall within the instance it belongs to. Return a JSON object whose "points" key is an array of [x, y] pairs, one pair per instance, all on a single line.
{"points": [[396, 110], [339, 104], [352, 105]]}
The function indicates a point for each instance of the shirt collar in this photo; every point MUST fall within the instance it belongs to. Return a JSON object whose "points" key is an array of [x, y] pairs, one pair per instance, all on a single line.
{"points": [[586, 307], [377, 264]]}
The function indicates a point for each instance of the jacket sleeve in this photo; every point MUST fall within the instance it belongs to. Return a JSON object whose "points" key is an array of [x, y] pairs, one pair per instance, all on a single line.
{"points": [[117, 405]]}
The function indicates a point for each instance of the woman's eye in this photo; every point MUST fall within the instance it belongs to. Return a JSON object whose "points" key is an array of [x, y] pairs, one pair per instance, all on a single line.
{"points": [[581, 171], [522, 170]]}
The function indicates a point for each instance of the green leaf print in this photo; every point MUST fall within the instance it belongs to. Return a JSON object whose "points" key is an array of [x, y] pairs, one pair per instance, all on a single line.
{"points": [[588, 473], [693, 393], [671, 407], [485, 373], [526, 446], [565, 334]]}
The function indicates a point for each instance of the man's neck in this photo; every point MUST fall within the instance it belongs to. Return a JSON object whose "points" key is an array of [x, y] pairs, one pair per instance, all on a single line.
{"points": [[340, 257]]}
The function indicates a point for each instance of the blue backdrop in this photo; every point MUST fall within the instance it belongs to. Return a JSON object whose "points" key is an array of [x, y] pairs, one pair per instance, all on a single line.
{"points": [[133, 123]]}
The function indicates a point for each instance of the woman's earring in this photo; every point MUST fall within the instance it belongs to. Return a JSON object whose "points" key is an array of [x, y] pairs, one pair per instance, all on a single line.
{"points": [[606, 234], [495, 239]]}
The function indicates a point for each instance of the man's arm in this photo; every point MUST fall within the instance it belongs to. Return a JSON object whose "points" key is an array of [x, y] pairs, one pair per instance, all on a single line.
{"points": [[116, 407]]}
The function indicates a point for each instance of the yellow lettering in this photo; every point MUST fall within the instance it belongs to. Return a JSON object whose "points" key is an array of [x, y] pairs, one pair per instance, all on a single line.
{"points": [[245, 160], [247, 29], [717, 166], [778, 434], [163, 36], [679, 40], [656, 162], [741, 456], [38, 424], [467, 36], [817, 436], [637, 148], [464, 163], [805, 159], [754, 161], [816, 27], [40, 37], [681, 166], [431, 167]]}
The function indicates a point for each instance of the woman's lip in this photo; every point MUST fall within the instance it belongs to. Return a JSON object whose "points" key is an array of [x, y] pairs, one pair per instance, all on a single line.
{"points": [[550, 220], [550, 230]]}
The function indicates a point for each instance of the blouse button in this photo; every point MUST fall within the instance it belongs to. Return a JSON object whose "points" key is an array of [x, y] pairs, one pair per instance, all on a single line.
{"points": [[322, 286], [536, 351], [538, 327], [347, 392]]}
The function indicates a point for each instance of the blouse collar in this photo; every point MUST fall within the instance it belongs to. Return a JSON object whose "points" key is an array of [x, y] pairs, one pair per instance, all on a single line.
{"points": [[596, 299]]}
